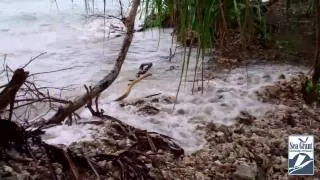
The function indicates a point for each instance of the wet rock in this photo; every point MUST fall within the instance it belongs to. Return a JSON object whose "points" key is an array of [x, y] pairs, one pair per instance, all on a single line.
{"points": [[121, 143], [134, 103], [220, 134], [225, 129], [245, 118], [200, 176], [224, 105], [171, 67], [155, 100], [267, 77], [148, 110], [181, 111], [155, 121], [116, 174], [290, 120], [199, 88], [102, 163], [211, 127], [239, 129], [245, 172], [8, 169], [188, 161], [58, 171], [139, 102], [215, 99], [168, 100], [282, 76], [272, 90]]}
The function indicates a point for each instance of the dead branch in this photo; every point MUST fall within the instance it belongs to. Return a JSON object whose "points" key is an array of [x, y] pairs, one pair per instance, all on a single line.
{"points": [[145, 140], [131, 86], [54, 71], [23, 93], [121, 11], [92, 167], [72, 166], [103, 84], [32, 59], [132, 162], [152, 95]]}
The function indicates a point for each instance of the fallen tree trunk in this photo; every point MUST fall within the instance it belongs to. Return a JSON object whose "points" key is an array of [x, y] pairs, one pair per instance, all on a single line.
{"points": [[8, 94], [66, 111]]}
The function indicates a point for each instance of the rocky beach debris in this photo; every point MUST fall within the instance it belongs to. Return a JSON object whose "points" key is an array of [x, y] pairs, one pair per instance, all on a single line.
{"points": [[251, 148], [255, 150]]}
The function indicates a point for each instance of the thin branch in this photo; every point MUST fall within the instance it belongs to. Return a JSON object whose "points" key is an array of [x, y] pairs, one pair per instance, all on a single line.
{"points": [[32, 59], [54, 71], [92, 167], [121, 11]]}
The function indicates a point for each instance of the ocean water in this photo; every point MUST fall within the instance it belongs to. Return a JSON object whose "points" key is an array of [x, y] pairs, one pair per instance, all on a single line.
{"points": [[89, 45]]}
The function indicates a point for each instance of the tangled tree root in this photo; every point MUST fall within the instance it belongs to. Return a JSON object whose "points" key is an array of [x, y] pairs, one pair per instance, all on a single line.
{"points": [[129, 163]]}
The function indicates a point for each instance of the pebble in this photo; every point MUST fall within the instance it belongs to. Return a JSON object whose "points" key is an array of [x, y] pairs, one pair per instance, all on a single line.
{"points": [[102, 163], [8, 169], [220, 134], [245, 172]]}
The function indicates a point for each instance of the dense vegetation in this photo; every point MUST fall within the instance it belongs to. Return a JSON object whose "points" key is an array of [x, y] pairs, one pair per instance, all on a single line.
{"points": [[207, 24]]}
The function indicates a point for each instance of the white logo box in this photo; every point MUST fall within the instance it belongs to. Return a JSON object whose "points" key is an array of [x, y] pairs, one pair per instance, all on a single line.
{"points": [[301, 155]]}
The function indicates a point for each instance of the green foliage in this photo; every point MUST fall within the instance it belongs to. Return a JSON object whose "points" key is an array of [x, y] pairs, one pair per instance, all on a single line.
{"points": [[309, 87], [208, 17], [204, 22]]}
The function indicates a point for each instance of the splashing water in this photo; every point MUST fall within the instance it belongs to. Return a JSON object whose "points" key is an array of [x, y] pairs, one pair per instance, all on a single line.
{"points": [[70, 40]]}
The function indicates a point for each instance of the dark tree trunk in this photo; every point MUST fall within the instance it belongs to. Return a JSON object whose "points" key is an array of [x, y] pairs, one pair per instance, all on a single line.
{"points": [[316, 70]]}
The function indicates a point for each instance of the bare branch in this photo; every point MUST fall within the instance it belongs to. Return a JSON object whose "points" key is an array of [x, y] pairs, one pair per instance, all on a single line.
{"points": [[32, 59], [54, 71]]}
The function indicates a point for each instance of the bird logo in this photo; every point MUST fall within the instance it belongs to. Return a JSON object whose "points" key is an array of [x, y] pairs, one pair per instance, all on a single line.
{"points": [[303, 141]]}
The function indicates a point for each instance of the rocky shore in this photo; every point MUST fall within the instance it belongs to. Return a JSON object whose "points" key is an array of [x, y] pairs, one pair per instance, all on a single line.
{"points": [[252, 148]]}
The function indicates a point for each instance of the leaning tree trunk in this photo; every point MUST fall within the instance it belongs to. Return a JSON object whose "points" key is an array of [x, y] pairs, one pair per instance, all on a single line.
{"points": [[312, 96], [8, 94], [103, 84], [316, 70]]}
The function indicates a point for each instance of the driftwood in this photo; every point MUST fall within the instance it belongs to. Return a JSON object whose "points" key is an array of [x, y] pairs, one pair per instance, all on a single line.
{"points": [[7, 96], [103, 84], [130, 86]]}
